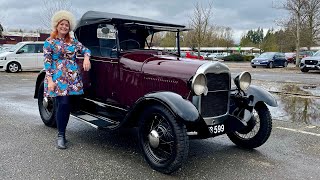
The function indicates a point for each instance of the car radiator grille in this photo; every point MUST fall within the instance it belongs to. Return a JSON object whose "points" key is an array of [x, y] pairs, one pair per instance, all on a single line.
{"points": [[311, 62], [216, 101]]}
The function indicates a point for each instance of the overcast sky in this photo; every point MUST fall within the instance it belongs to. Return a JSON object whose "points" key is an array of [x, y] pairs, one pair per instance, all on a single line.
{"points": [[240, 15]]}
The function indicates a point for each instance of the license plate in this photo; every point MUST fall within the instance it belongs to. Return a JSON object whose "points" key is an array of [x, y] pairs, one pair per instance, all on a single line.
{"points": [[310, 66], [217, 129], [256, 63]]}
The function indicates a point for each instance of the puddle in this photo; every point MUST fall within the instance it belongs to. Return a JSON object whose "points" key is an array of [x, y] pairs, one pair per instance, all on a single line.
{"points": [[297, 104]]}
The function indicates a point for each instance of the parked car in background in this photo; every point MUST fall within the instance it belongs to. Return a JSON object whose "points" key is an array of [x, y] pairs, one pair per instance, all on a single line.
{"points": [[302, 54], [191, 55], [218, 55], [168, 98], [290, 56], [310, 63], [25, 55], [270, 59]]}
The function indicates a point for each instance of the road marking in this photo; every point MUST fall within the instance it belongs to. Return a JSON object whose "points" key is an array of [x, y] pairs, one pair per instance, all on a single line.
{"points": [[299, 131]]}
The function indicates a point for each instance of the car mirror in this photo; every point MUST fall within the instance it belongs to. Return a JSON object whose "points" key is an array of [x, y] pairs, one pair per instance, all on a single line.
{"points": [[20, 51]]}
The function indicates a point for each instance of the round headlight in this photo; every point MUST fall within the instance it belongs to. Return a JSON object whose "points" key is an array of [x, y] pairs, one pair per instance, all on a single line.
{"points": [[243, 81], [199, 84]]}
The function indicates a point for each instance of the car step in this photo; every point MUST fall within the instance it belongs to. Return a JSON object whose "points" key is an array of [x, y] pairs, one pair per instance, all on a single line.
{"points": [[96, 121]]}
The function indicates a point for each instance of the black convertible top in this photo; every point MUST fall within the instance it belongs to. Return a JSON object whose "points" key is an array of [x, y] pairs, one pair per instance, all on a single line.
{"points": [[96, 17]]}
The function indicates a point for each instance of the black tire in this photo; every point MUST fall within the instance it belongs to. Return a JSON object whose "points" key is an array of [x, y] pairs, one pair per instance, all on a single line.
{"points": [[285, 64], [168, 156], [253, 66], [262, 119], [47, 113], [13, 67], [271, 65], [304, 70]]}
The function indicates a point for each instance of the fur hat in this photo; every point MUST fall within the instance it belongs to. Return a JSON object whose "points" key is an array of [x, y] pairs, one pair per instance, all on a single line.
{"points": [[63, 15]]}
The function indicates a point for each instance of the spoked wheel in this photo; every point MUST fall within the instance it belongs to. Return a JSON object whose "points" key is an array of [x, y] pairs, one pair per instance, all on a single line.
{"points": [[163, 139], [258, 129], [47, 108]]}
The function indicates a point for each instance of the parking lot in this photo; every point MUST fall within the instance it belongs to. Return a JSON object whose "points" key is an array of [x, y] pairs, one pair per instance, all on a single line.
{"points": [[27, 148]]}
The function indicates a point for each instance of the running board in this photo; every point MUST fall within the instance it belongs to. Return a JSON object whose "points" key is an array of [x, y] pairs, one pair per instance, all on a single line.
{"points": [[95, 121]]}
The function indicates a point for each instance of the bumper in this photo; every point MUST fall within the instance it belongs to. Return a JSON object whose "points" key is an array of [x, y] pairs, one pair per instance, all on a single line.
{"points": [[259, 63], [310, 67]]}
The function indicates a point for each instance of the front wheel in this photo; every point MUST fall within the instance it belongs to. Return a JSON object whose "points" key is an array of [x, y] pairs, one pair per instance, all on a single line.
{"points": [[47, 108], [271, 65], [162, 139], [13, 67], [258, 129], [304, 70]]}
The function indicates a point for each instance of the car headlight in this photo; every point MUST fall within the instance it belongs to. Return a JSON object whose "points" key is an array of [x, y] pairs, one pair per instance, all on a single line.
{"points": [[243, 80], [199, 85], [2, 58]]}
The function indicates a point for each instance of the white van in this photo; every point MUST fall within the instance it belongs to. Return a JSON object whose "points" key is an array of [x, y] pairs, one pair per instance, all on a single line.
{"points": [[25, 55]]}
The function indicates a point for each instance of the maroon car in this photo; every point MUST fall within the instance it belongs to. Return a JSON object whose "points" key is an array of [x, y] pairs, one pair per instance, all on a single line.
{"points": [[170, 99]]}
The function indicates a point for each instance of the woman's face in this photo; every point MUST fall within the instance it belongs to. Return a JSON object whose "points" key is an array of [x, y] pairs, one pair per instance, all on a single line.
{"points": [[63, 27]]}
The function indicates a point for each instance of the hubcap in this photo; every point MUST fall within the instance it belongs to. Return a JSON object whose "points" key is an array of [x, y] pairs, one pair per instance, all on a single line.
{"points": [[154, 139], [13, 67], [45, 102]]}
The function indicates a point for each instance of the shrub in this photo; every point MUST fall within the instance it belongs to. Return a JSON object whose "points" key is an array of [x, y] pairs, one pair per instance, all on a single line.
{"points": [[248, 57], [234, 57]]}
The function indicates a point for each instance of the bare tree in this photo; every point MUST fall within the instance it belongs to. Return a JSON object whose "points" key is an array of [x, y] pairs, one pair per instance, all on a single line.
{"points": [[312, 12], [50, 7], [200, 22]]}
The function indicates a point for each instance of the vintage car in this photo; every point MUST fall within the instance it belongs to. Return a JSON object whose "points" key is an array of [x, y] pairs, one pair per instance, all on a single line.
{"points": [[170, 99]]}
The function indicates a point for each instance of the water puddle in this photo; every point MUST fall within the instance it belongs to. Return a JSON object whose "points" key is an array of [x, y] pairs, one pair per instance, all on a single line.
{"points": [[298, 104]]}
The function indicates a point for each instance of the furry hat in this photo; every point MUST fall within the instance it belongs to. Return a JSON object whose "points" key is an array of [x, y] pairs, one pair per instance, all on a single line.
{"points": [[63, 15]]}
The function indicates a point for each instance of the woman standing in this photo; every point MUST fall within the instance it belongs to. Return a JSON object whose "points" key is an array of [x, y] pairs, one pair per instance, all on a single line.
{"points": [[63, 79]]}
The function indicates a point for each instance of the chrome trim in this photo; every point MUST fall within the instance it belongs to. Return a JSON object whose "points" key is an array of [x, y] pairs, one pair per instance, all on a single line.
{"points": [[192, 133], [101, 117], [215, 68], [104, 104], [80, 119], [112, 62]]}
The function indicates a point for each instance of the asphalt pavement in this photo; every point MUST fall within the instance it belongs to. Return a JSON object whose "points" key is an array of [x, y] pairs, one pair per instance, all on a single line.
{"points": [[27, 147]]}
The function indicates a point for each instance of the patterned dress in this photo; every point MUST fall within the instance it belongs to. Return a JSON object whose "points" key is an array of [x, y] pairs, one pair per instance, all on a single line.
{"points": [[61, 64]]}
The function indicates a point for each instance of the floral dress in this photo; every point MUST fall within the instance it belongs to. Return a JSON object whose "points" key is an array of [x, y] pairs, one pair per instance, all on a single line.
{"points": [[61, 64]]}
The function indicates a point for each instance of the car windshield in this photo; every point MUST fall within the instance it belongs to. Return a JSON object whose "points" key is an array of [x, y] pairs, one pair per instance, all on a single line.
{"points": [[267, 55], [13, 48], [317, 53]]}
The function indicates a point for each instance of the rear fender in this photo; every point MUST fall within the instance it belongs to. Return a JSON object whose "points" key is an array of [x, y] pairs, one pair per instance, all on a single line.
{"points": [[40, 78]]}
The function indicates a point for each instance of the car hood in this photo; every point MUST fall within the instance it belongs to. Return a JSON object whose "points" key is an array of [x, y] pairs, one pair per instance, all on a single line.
{"points": [[312, 58], [4, 54], [158, 63], [171, 66]]}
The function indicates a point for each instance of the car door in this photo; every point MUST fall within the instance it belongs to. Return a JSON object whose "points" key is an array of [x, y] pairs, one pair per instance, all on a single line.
{"points": [[27, 57], [40, 57], [277, 59]]}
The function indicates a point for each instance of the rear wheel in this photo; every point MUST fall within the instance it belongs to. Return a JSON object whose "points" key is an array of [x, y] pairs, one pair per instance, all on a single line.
{"points": [[47, 108], [162, 139], [13, 67], [258, 129], [285, 64]]}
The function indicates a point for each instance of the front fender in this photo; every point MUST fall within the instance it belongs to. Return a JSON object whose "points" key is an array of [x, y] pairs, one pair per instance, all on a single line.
{"points": [[260, 94], [182, 108]]}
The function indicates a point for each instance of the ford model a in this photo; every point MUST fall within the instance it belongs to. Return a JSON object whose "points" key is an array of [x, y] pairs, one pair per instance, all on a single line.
{"points": [[170, 99]]}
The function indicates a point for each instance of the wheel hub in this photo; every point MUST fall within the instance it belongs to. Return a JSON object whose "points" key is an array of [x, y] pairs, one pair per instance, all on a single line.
{"points": [[154, 139]]}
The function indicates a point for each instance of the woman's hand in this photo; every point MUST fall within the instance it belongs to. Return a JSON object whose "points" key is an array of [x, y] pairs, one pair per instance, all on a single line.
{"points": [[86, 63], [51, 85]]}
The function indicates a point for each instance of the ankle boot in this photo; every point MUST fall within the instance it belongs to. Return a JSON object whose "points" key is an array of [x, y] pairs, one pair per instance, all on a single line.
{"points": [[61, 144]]}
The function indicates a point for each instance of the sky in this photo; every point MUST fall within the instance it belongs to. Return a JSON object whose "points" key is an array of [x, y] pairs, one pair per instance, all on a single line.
{"points": [[240, 15]]}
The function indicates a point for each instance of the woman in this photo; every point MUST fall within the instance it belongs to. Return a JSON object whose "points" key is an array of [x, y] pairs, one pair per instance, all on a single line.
{"points": [[63, 79]]}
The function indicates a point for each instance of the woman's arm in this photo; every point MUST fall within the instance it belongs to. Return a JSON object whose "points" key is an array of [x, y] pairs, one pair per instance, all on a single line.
{"points": [[86, 52]]}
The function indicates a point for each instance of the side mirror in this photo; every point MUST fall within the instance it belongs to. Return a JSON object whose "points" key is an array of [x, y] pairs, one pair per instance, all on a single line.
{"points": [[20, 51]]}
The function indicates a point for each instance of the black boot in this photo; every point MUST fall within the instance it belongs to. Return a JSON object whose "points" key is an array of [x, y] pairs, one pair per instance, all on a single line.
{"points": [[61, 144]]}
